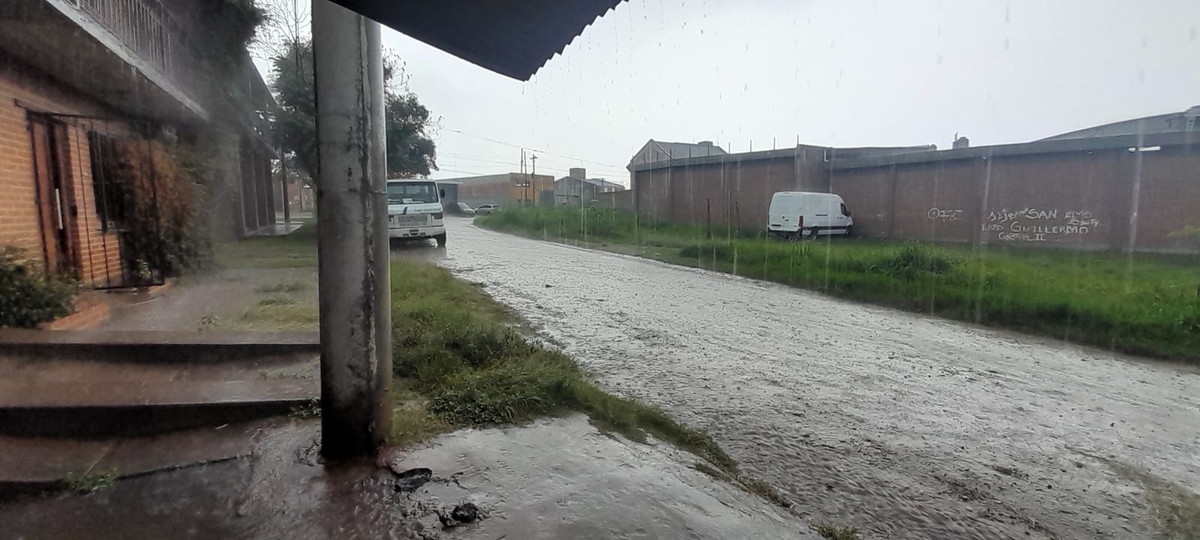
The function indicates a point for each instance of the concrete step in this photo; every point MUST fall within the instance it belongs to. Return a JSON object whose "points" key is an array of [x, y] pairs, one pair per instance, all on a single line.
{"points": [[80, 398], [30, 465], [153, 347]]}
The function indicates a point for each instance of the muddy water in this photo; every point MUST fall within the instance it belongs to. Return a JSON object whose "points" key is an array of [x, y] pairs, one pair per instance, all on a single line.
{"points": [[556, 478], [904, 425]]}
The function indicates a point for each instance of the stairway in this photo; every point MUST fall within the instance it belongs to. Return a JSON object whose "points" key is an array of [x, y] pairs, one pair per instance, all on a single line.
{"points": [[137, 402]]}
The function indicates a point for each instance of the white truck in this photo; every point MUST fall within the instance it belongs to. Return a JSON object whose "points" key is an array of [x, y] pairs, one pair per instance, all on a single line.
{"points": [[797, 214], [415, 211]]}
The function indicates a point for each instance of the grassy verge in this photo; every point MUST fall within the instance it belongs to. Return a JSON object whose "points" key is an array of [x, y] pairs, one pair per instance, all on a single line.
{"points": [[465, 353], [461, 359], [1142, 304], [296, 250], [1174, 508]]}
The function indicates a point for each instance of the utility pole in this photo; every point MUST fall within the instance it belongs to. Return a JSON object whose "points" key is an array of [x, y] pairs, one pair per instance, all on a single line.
{"points": [[352, 240], [532, 175]]}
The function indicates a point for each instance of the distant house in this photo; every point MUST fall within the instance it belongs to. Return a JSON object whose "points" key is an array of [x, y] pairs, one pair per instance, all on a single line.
{"points": [[577, 189], [1161, 123], [654, 151], [503, 189]]}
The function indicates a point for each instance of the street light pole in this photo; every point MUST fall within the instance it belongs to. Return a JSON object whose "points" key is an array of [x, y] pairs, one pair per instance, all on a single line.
{"points": [[352, 242]]}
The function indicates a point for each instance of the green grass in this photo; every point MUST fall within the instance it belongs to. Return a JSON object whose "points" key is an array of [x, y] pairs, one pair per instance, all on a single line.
{"points": [[1141, 304], [469, 357], [462, 359], [91, 481], [296, 250], [284, 287], [1174, 508]]}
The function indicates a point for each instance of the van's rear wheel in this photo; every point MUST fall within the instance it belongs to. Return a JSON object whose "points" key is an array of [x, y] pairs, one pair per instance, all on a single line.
{"points": [[441, 240]]}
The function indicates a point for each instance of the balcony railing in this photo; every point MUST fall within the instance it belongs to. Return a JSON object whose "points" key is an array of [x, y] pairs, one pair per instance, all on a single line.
{"points": [[146, 28]]}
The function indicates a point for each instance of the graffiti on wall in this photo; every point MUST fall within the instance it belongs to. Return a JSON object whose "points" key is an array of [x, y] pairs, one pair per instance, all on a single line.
{"points": [[943, 216], [1039, 224]]}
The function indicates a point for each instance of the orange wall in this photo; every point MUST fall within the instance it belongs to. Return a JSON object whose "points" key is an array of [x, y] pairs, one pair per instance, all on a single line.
{"points": [[98, 252]]}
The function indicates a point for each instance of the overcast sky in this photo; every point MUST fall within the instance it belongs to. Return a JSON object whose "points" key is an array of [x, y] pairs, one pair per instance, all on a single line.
{"points": [[831, 72]]}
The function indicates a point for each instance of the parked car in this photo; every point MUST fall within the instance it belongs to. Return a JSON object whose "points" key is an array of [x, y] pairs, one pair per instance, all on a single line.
{"points": [[798, 214], [415, 211], [485, 209], [462, 209]]}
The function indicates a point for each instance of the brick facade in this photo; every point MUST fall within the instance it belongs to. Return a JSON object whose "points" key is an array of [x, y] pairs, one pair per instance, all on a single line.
{"points": [[21, 87]]}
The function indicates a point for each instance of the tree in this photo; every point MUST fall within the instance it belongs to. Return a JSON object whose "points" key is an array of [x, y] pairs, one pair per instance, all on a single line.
{"points": [[410, 149]]}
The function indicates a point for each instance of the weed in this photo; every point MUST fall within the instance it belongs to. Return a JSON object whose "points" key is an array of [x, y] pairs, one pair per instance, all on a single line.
{"points": [[271, 315], [706, 469], [277, 300], [914, 259], [91, 481], [312, 409], [411, 420], [1174, 508], [830, 531], [208, 322], [763, 489], [284, 287]]}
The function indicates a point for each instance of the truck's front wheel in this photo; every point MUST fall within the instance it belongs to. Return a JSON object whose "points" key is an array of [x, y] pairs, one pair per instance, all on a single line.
{"points": [[441, 240]]}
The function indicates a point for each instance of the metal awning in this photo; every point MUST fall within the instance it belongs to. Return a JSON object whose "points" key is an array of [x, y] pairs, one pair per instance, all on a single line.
{"points": [[513, 38]]}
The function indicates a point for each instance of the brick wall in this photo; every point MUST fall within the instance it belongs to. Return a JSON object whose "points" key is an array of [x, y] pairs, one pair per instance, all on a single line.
{"points": [[1108, 198], [98, 251], [728, 190]]}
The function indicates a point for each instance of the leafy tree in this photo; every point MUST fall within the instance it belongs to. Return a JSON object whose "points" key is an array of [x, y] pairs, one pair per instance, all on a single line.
{"points": [[410, 149]]}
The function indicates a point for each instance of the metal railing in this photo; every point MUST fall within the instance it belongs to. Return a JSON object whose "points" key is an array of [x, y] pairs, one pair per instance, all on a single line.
{"points": [[146, 27]]}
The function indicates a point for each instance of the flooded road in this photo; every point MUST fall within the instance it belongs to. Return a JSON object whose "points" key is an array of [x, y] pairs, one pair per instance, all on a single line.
{"points": [[904, 425]]}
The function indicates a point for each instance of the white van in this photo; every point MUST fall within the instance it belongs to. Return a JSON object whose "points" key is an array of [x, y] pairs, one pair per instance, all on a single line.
{"points": [[795, 214], [415, 211]]}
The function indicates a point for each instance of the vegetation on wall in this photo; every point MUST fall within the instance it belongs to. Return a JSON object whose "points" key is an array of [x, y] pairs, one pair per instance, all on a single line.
{"points": [[27, 295], [161, 188], [232, 26]]}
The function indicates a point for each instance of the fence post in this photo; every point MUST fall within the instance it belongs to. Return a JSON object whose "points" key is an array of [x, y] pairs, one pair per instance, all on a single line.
{"points": [[708, 216], [737, 216]]}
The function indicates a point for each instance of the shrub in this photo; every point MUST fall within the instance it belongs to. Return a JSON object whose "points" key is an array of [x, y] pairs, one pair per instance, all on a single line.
{"points": [[27, 297], [158, 191], [914, 259]]}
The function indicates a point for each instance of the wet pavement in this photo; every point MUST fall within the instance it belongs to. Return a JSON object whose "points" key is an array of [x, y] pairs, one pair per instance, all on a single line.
{"points": [[556, 478], [904, 425], [199, 302]]}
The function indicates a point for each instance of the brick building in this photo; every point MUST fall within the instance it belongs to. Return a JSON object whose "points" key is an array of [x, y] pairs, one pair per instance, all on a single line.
{"points": [[81, 80], [503, 189], [576, 189]]}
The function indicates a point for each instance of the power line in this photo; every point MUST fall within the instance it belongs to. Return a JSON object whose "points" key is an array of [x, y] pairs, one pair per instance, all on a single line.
{"points": [[530, 148], [607, 172]]}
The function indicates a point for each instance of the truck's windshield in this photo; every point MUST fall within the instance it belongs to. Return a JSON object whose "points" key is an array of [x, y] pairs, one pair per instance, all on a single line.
{"points": [[411, 192]]}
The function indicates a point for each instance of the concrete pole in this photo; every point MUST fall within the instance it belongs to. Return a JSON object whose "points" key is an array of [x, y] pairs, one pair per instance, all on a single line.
{"points": [[352, 232]]}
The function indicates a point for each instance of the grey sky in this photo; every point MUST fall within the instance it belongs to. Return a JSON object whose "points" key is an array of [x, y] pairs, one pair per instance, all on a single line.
{"points": [[842, 73]]}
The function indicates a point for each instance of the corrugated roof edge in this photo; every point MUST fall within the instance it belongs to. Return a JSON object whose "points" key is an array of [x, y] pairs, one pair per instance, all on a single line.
{"points": [[1116, 142], [545, 27]]}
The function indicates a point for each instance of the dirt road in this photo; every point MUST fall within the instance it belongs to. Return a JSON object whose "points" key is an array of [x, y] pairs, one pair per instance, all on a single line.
{"points": [[904, 425]]}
